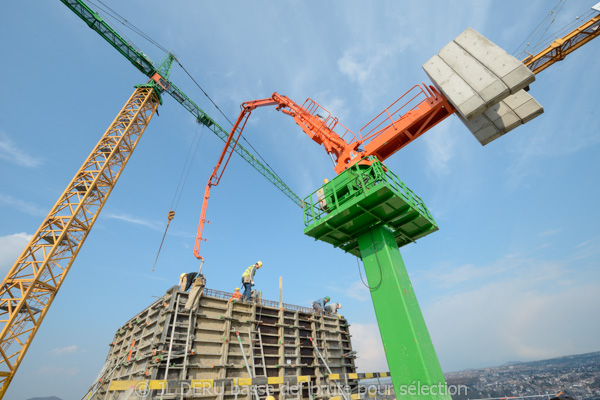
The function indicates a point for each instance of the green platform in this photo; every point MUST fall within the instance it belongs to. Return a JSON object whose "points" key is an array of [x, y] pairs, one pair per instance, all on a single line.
{"points": [[367, 211], [363, 197]]}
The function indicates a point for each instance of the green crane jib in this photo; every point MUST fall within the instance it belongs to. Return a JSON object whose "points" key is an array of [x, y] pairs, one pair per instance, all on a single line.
{"points": [[160, 76], [30, 286]]}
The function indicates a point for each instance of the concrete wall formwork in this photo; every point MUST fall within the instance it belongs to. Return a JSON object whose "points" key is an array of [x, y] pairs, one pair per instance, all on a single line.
{"points": [[162, 343]]}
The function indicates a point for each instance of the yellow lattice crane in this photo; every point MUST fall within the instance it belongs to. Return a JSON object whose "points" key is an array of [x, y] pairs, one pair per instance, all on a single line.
{"points": [[32, 283]]}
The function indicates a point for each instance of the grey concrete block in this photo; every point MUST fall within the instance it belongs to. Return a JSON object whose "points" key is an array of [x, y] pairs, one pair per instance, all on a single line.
{"points": [[483, 81], [482, 128], [505, 116], [493, 123], [510, 70], [524, 105], [461, 95]]}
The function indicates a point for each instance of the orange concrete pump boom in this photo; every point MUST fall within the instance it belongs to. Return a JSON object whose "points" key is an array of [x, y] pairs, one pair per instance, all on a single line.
{"points": [[414, 113]]}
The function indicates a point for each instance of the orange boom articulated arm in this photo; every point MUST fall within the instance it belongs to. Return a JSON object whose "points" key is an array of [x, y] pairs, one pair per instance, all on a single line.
{"points": [[415, 112]]}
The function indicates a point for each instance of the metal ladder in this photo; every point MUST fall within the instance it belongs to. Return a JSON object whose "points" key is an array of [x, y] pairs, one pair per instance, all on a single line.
{"points": [[262, 353], [254, 391], [187, 338]]}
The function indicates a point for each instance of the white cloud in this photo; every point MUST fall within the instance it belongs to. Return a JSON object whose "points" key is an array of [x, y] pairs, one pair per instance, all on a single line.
{"points": [[11, 153], [368, 66], [58, 371], [359, 68], [557, 140], [441, 149], [11, 247], [513, 320], [59, 351], [357, 290], [367, 343], [550, 232], [512, 267], [515, 308], [136, 221], [21, 205]]}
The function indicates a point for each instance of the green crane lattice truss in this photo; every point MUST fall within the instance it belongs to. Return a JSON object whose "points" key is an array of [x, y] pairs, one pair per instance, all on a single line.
{"points": [[143, 63]]}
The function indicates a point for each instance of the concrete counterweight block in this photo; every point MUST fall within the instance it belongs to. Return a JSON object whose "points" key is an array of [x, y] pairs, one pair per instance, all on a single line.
{"points": [[511, 71], [488, 86], [503, 117], [466, 100], [524, 105], [475, 74]]}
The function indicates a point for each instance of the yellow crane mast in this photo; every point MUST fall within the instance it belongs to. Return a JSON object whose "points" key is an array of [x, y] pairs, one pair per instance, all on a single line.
{"points": [[32, 283]]}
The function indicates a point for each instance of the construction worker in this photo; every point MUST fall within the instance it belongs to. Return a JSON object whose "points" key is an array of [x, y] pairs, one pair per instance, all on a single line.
{"points": [[185, 280], [248, 279], [332, 308], [319, 305], [194, 297], [236, 295]]}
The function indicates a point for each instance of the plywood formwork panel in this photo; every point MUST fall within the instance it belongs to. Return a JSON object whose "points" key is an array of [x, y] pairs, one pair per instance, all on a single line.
{"points": [[164, 343]]}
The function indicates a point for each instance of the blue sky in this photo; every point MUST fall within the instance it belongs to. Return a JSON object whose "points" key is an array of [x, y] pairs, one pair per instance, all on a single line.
{"points": [[512, 273]]}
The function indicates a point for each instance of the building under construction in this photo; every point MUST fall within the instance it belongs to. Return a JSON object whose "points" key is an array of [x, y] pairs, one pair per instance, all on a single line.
{"points": [[366, 211], [227, 349]]}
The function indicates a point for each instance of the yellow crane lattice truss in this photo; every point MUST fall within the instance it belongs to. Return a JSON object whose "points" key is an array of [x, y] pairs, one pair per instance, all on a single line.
{"points": [[563, 46], [32, 283]]}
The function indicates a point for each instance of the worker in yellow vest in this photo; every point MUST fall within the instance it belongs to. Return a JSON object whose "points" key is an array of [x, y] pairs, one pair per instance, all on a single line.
{"points": [[248, 279]]}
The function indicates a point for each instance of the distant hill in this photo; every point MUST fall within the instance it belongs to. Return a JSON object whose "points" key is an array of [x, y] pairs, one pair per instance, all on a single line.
{"points": [[565, 360], [45, 398]]}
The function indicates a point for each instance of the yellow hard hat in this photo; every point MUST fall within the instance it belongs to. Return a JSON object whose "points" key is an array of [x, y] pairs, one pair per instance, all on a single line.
{"points": [[259, 264], [270, 398], [182, 275], [237, 289]]}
